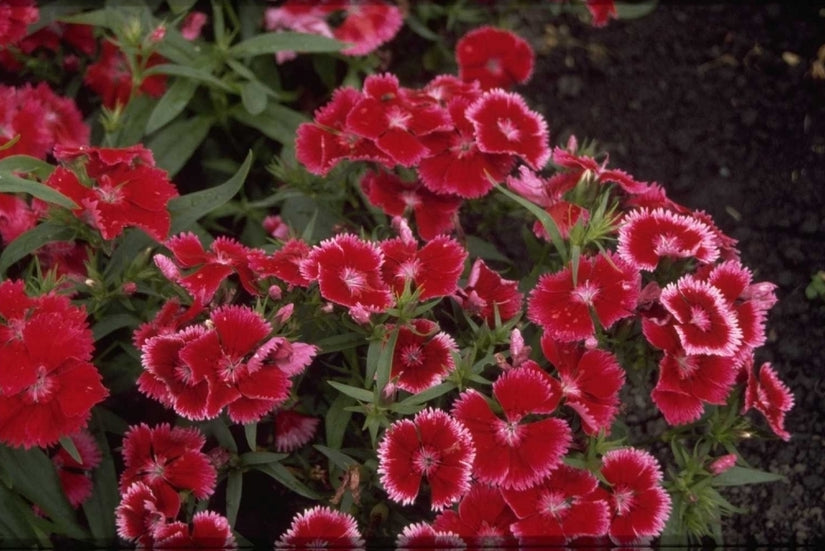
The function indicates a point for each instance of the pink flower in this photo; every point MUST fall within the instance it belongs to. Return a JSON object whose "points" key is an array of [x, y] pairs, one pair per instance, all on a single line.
{"points": [[489, 296], [348, 272], [770, 396], [16, 218], [723, 463], [504, 124], [209, 530], [320, 527], [562, 507], [482, 519], [423, 356], [433, 270], [75, 477], [367, 25], [421, 535], [293, 429], [299, 16], [433, 446], [646, 236], [524, 447], [603, 284], [495, 57], [590, 382], [193, 24], [16, 15]]}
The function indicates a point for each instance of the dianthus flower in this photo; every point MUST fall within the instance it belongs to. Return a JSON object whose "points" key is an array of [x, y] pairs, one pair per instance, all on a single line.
{"points": [[482, 519], [16, 218], [770, 396], [293, 429], [519, 450], [583, 166], [548, 194], [433, 213], [602, 11], [496, 58], [562, 507], [562, 304], [142, 511], [47, 383], [431, 446], [433, 270], [504, 124], [366, 25], [15, 17], [321, 527], [298, 16], [284, 264], [423, 356], [421, 535], [111, 77], [75, 476], [590, 382], [639, 505], [209, 530], [488, 295], [115, 189]]}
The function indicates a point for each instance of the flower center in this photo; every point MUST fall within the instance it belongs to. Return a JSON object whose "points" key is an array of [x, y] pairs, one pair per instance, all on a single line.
{"points": [[426, 460], [554, 503], [667, 245], [354, 280], [623, 499], [229, 368], [508, 128], [43, 387], [412, 356], [397, 118], [509, 433], [493, 65], [700, 318], [586, 292], [409, 269]]}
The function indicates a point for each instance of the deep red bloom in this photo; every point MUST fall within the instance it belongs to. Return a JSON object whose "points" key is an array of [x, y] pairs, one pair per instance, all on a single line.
{"points": [[168, 460], [293, 429], [284, 264], [487, 292], [433, 269], [367, 25], [209, 530], [432, 445], [604, 284], [646, 236], [640, 506], [504, 124], [483, 518], [421, 535], [583, 166], [348, 272], [206, 269], [433, 213], [15, 218], [320, 527], [111, 77], [770, 396], [562, 507], [423, 356], [75, 477], [602, 11], [142, 511], [15, 17], [548, 194], [495, 57], [517, 451], [590, 382]]}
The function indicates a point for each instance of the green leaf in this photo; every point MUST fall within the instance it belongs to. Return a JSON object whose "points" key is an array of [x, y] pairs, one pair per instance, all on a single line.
{"points": [[112, 323], [739, 476], [217, 428], [68, 444], [27, 164], [234, 491], [479, 248], [270, 43], [172, 103], [336, 343], [15, 520], [338, 458], [32, 240], [275, 121], [546, 220], [427, 395], [250, 431], [254, 97], [99, 509], [10, 183], [360, 394], [193, 73], [336, 421], [131, 123], [180, 6], [285, 477], [384, 367], [633, 10], [188, 209], [34, 477], [176, 143], [250, 459]]}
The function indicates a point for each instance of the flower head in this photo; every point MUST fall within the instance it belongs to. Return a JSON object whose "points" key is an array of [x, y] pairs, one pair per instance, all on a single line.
{"points": [[293, 429], [433, 269], [496, 58], [482, 519], [770, 396], [488, 295], [321, 527], [423, 356]]}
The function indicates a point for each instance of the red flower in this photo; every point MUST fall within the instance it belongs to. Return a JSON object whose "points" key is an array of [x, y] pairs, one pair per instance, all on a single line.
{"points": [[16, 15], [455, 164], [548, 193], [517, 451], [504, 124], [770, 396], [433, 213], [142, 511], [646, 236], [602, 11], [604, 284], [319, 527], [433, 270], [293, 429], [489, 296], [348, 271], [284, 264], [394, 124], [48, 385], [131, 192], [299, 16], [562, 507], [495, 57], [111, 77], [433, 446], [367, 25], [16, 218], [483, 518], [75, 477], [590, 382], [209, 530], [225, 257], [421, 535], [704, 320], [639, 504], [423, 356], [583, 166]]}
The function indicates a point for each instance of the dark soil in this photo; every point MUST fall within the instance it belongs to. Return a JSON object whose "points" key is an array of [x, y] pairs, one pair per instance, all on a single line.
{"points": [[718, 103]]}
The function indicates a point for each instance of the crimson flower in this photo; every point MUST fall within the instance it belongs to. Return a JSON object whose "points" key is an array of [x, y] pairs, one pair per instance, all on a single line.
{"points": [[209, 530], [640, 506], [504, 124], [75, 476], [206, 268], [433, 269], [127, 189], [495, 57], [770, 396], [16, 16], [299, 16], [646, 236], [562, 303], [489, 296], [548, 194], [142, 512], [293, 429], [366, 25], [517, 451], [421, 535], [434, 213], [562, 507], [590, 382], [482, 519], [111, 77], [423, 356], [16, 218], [321, 527], [602, 11], [284, 264], [432, 445], [348, 272]]}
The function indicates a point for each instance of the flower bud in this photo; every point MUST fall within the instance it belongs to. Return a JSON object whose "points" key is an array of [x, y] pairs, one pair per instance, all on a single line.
{"points": [[723, 463]]}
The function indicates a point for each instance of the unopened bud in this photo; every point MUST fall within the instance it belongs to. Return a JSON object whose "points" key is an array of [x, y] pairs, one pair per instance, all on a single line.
{"points": [[723, 463]]}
